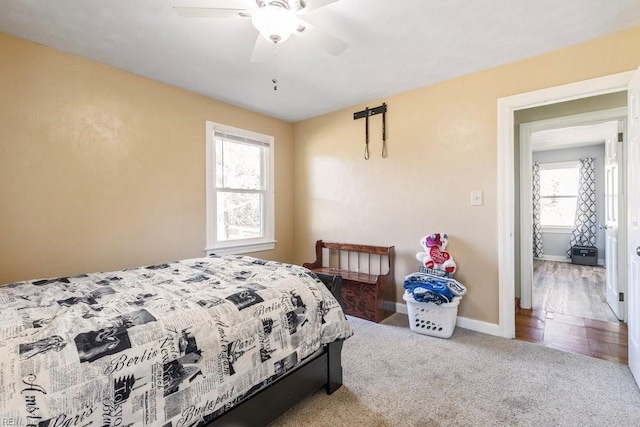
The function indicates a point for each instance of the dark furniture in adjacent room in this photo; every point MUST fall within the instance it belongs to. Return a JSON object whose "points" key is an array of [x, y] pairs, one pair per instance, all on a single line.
{"points": [[584, 255]]}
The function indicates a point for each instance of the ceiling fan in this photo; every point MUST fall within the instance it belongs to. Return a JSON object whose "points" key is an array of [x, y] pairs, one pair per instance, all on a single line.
{"points": [[275, 20]]}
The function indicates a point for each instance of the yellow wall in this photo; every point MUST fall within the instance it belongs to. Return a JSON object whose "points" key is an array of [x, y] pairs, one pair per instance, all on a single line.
{"points": [[101, 169], [442, 145]]}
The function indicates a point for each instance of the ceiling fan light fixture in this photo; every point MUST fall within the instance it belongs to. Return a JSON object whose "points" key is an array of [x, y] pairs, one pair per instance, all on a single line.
{"points": [[275, 23]]}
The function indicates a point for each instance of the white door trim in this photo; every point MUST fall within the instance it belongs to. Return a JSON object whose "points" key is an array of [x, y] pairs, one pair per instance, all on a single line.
{"points": [[526, 162], [506, 175]]}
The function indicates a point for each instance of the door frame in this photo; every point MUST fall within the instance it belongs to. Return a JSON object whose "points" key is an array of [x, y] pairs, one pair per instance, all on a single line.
{"points": [[507, 106], [526, 208]]}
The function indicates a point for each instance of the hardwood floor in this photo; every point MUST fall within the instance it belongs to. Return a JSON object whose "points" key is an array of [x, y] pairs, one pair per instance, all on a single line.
{"points": [[595, 338], [570, 313], [578, 290]]}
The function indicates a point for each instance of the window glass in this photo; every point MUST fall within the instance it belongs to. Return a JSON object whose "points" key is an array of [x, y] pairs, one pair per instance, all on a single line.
{"points": [[558, 194], [557, 212], [559, 182], [238, 165], [240, 216]]}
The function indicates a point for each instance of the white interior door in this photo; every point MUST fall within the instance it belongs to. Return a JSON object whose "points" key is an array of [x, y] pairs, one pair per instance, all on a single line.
{"points": [[612, 160], [633, 229]]}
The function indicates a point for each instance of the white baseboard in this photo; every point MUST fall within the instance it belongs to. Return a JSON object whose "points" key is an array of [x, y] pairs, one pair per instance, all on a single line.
{"points": [[479, 326], [554, 258], [559, 258], [401, 308], [465, 323]]}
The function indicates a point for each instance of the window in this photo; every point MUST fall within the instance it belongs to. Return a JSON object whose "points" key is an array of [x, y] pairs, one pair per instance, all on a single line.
{"points": [[558, 194], [240, 216]]}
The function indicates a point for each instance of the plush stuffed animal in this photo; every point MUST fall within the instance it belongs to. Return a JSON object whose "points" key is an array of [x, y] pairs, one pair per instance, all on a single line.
{"points": [[435, 256]]}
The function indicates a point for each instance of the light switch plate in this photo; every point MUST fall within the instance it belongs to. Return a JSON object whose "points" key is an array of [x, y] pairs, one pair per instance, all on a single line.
{"points": [[476, 198]]}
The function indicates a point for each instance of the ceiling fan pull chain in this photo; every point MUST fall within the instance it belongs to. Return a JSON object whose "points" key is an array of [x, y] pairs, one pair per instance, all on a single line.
{"points": [[275, 68]]}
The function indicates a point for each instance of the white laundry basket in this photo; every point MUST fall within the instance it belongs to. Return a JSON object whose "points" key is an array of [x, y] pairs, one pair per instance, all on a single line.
{"points": [[429, 318]]}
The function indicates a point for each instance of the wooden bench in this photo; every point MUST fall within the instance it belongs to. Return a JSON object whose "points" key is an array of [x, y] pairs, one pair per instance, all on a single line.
{"points": [[368, 283]]}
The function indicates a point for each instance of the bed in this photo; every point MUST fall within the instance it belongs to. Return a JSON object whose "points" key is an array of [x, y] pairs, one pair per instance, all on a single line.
{"points": [[229, 340]]}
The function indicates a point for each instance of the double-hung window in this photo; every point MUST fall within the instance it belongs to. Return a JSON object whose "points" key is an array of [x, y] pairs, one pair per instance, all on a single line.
{"points": [[558, 195], [240, 208]]}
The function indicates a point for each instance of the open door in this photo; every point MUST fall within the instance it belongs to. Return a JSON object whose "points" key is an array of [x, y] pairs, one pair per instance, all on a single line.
{"points": [[612, 211], [633, 230]]}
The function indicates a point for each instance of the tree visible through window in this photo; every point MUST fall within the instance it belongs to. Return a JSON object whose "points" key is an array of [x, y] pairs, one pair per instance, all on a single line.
{"points": [[558, 193], [240, 198]]}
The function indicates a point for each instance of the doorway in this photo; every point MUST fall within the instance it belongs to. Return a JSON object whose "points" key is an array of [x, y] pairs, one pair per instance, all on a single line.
{"points": [[564, 298], [562, 282], [579, 169], [507, 183]]}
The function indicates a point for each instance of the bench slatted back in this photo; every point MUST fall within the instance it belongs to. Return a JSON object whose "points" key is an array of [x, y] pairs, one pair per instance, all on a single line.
{"points": [[356, 258]]}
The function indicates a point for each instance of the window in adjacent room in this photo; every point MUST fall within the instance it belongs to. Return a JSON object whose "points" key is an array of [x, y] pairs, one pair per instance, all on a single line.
{"points": [[558, 195], [240, 212]]}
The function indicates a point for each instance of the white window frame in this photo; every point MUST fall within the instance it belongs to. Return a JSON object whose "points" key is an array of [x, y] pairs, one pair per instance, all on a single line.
{"points": [[558, 229], [240, 246]]}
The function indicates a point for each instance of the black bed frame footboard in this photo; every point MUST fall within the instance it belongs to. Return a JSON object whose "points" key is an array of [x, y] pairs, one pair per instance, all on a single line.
{"points": [[268, 404], [325, 370]]}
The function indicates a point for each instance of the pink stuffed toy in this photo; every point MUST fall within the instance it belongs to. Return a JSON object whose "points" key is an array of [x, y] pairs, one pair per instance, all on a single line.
{"points": [[435, 256]]}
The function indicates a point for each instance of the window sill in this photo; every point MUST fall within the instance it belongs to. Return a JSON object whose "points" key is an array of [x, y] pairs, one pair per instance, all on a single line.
{"points": [[557, 230], [242, 249]]}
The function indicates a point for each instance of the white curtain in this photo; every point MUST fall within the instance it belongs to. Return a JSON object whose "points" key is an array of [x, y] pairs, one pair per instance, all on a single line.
{"points": [[584, 229], [537, 228]]}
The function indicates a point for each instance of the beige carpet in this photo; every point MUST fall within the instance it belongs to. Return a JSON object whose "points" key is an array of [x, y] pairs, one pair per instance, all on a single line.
{"points": [[395, 377]]}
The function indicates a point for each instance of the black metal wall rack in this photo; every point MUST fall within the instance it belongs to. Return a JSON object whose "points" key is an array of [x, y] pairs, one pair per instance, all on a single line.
{"points": [[366, 113]]}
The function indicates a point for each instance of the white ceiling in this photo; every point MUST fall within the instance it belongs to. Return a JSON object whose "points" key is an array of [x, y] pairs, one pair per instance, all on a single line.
{"points": [[394, 46], [574, 136]]}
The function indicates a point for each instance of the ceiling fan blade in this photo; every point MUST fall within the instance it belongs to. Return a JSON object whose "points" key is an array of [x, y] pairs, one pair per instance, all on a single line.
{"points": [[310, 5], [208, 12], [320, 39], [261, 50]]}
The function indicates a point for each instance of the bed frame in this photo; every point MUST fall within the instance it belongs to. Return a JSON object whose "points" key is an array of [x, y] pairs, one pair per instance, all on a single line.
{"points": [[323, 371]]}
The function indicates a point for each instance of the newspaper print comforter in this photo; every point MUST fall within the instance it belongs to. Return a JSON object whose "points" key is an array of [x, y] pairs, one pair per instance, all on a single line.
{"points": [[164, 345]]}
